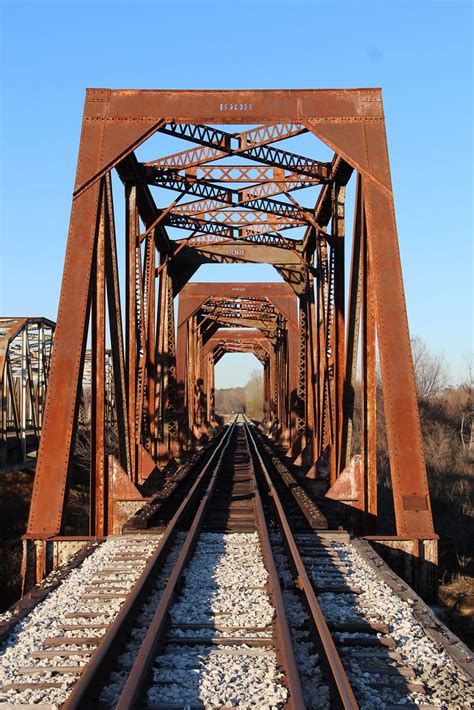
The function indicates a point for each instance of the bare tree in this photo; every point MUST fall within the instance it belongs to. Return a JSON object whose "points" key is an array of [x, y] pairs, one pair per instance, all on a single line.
{"points": [[254, 395], [467, 417], [82, 449], [230, 400], [468, 384], [431, 374]]}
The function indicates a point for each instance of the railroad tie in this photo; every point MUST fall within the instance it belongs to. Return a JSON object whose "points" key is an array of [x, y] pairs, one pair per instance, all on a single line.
{"points": [[61, 653], [61, 670], [72, 641]]}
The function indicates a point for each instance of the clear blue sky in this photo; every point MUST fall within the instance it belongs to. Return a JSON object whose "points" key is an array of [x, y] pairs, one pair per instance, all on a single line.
{"points": [[420, 53]]}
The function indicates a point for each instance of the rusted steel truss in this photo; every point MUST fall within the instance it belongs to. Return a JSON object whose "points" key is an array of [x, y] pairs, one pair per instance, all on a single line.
{"points": [[223, 206], [25, 357], [240, 341], [269, 311]]}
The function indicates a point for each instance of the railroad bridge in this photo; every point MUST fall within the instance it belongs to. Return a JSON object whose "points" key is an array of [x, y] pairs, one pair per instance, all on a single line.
{"points": [[258, 194], [226, 177], [251, 552]]}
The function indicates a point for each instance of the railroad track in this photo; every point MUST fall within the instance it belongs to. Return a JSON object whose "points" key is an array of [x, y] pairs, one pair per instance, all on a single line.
{"points": [[348, 643], [259, 633], [243, 599]]}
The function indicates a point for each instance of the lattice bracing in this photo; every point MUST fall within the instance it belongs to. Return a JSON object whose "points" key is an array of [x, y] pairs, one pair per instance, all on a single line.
{"points": [[234, 195]]}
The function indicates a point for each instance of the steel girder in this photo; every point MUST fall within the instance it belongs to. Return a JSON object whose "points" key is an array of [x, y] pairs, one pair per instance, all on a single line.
{"points": [[146, 389], [241, 341], [270, 308]]}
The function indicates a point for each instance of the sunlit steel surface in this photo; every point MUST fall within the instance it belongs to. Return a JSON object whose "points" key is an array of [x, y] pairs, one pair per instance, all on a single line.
{"points": [[234, 196]]}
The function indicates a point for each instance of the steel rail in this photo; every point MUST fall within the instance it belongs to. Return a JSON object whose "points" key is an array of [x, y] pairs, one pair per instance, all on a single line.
{"points": [[343, 695], [132, 691], [93, 673], [284, 642]]}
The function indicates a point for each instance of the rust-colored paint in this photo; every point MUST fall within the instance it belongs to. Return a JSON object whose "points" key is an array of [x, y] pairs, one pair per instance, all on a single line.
{"points": [[149, 379], [349, 486], [62, 399]]}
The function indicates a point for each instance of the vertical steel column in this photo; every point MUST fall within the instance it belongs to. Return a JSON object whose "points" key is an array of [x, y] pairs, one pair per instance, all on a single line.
{"points": [[141, 288], [312, 387], [268, 395], [14, 400], [324, 423], [202, 391], [190, 379], [23, 386], [281, 388], [353, 326], [331, 366], [98, 474], [132, 230], [197, 381], [200, 408], [206, 390], [293, 356], [169, 366], [151, 348], [116, 332], [181, 379], [369, 392], [285, 376], [31, 398], [270, 391], [110, 406], [301, 391], [160, 357], [284, 383], [210, 389], [195, 388], [213, 392], [318, 369], [274, 386], [409, 480], [206, 373], [265, 392], [338, 233], [41, 375], [285, 393]]}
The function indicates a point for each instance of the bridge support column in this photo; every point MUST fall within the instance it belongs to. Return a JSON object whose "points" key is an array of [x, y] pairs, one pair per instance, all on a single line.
{"points": [[299, 443], [167, 387], [337, 316], [414, 559], [40, 557]]}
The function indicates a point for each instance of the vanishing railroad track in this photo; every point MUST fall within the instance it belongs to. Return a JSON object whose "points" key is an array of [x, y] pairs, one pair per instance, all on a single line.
{"points": [[242, 599]]}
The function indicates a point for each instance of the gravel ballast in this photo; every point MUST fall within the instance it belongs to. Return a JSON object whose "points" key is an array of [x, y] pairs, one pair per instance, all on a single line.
{"points": [[48, 617], [225, 591], [445, 685], [225, 597]]}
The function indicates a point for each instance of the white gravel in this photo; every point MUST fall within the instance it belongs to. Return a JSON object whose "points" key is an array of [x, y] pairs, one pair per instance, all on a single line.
{"points": [[224, 586], [117, 679], [315, 690], [45, 620], [445, 685], [222, 565]]}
